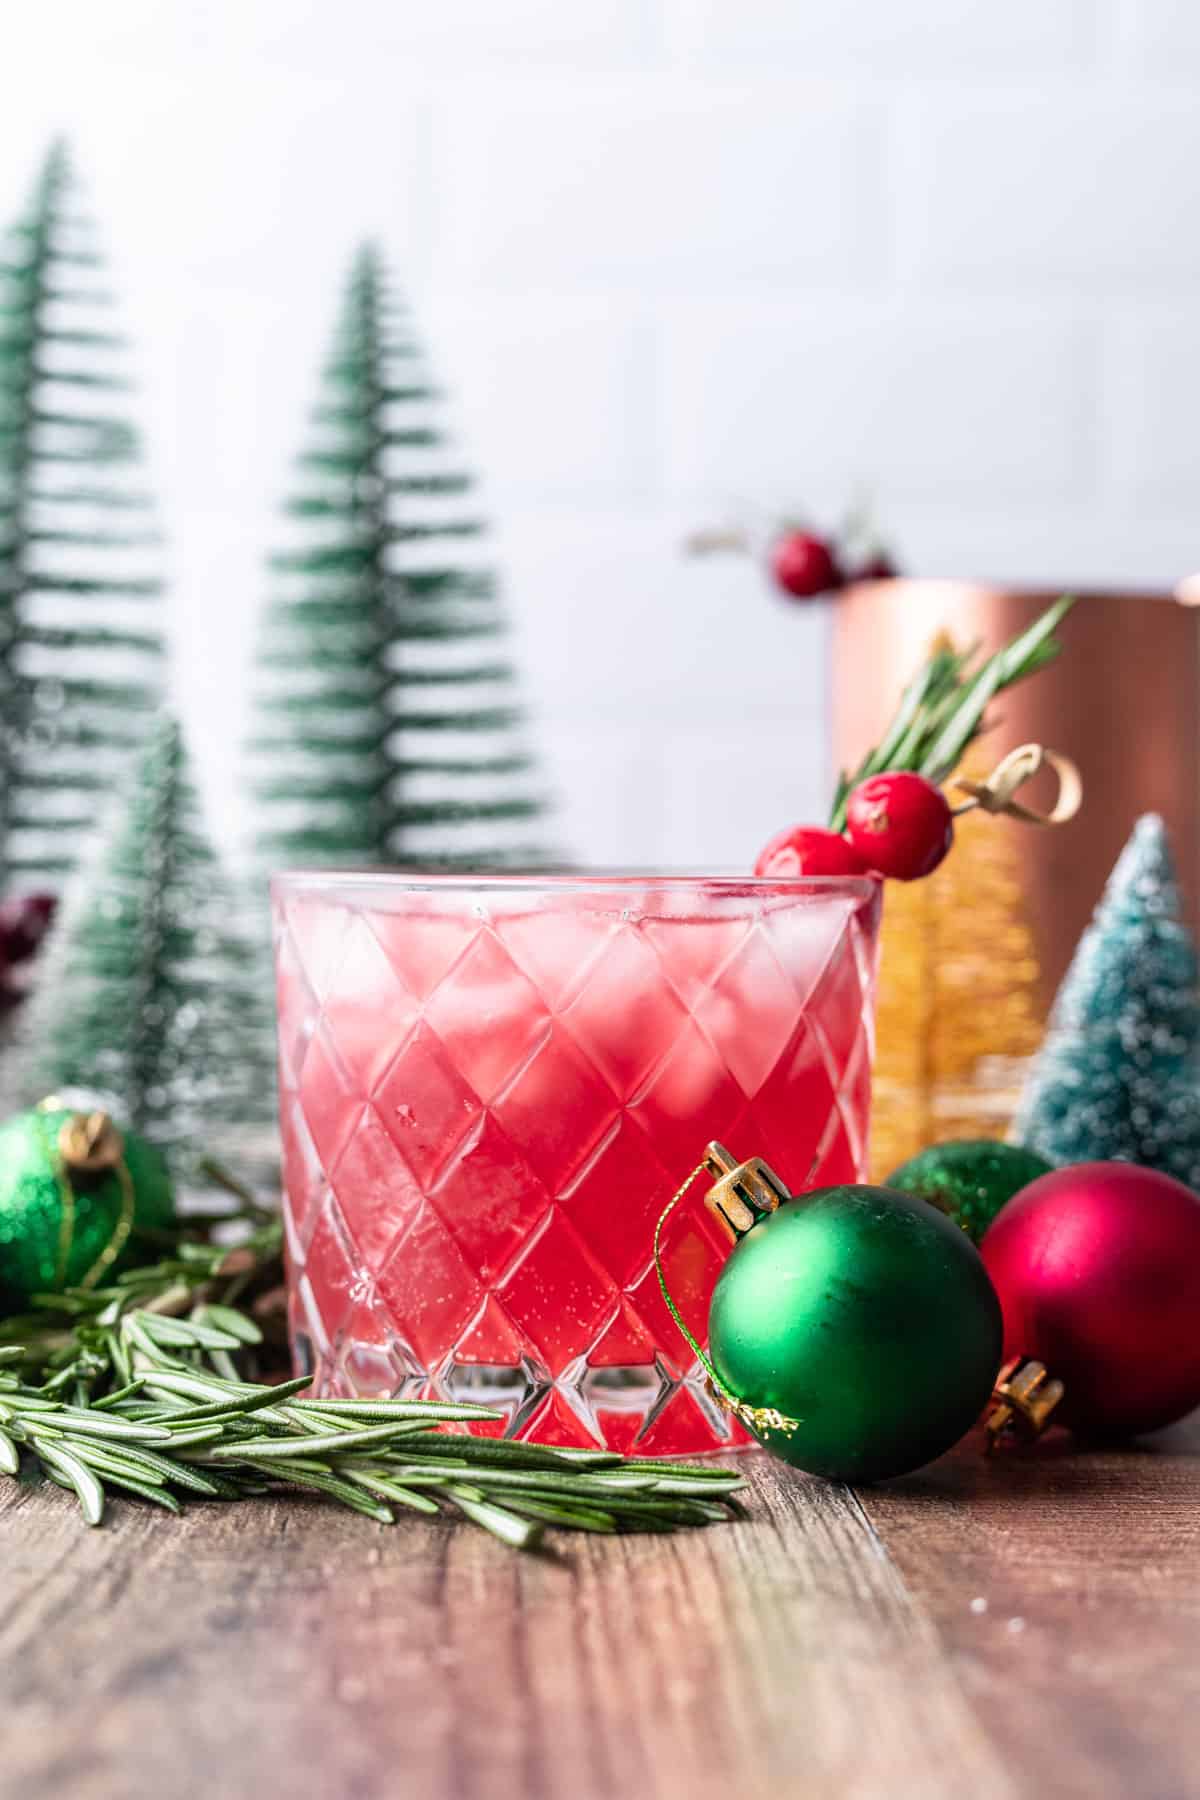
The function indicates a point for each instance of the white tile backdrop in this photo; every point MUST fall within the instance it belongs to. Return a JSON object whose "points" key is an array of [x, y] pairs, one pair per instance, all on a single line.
{"points": [[672, 257]]}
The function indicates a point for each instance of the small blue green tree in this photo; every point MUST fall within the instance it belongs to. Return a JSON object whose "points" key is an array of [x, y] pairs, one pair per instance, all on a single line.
{"points": [[1118, 1077]]}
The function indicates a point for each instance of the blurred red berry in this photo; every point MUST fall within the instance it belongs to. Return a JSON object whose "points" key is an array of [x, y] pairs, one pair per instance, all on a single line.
{"points": [[809, 850], [900, 824], [878, 567], [24, 921], [804, 565]]}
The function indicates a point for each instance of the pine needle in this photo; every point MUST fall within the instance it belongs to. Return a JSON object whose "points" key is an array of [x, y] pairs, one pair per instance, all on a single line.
{"points": [[102, 1390]]}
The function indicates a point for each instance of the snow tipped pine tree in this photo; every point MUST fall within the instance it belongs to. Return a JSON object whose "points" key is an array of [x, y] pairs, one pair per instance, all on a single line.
{"points": [[1118, 1078], [149, 998], [80, 643], [387, 728]]}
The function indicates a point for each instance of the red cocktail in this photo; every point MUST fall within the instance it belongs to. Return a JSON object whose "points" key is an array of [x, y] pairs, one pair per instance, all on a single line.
{"points": [[491, 1087]]}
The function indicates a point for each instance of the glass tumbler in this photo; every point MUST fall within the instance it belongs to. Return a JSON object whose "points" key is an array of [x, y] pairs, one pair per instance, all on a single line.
{"points": [[490, 1088]]}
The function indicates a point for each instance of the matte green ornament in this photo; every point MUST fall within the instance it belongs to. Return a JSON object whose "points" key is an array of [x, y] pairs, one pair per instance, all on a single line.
{"points": [[72, 1192], [864, 1318], [970, 1180]]}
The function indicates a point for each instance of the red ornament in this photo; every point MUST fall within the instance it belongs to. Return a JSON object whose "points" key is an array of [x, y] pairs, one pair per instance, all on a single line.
{"points": [[809, 850], [900, 824], [1098, 1272], [804, 565]]}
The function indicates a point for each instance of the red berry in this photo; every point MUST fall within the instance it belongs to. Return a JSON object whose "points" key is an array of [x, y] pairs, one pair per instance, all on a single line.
{"points": [[804, 565], [808, 850], [878, 567], [24, 921], [900, 824]]}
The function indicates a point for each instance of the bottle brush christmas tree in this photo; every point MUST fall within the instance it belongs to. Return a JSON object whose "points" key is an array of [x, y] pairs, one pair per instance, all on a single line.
{"points": [[386, 716], [80, 646], [1118, 1078], [148, 1003]]}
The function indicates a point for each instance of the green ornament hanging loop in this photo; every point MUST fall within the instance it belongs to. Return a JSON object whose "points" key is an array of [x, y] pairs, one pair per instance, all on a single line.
{"points": [[755, 1418]]}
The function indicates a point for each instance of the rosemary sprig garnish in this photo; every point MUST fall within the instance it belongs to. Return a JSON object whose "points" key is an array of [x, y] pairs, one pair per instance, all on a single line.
{"points": [[139, 1387], [942, 711]]}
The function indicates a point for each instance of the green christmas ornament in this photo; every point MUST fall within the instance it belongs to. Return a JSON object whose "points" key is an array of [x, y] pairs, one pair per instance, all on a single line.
{"points": [[72, 1190], [970, 1180], [854, 1330]]}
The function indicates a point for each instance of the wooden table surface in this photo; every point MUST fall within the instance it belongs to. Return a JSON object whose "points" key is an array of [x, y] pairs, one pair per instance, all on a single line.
{"points": [[1029, 1626]]}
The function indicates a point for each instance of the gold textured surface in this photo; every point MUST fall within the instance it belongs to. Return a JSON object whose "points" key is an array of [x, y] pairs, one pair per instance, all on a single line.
{"points": [[958, 1009]]}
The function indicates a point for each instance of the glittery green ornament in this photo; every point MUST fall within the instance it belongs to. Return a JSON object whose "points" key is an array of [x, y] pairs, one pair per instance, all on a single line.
{"points": [[853, 1329], [970, 1180], [72, 1190]]}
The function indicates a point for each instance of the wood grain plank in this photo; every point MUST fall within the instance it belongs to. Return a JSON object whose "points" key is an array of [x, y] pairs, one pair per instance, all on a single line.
{"points": [[1065, 1585], [295, 1649]]}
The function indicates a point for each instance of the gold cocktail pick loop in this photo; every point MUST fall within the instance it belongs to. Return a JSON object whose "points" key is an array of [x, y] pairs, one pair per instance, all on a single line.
{"points": [[996, 794]]}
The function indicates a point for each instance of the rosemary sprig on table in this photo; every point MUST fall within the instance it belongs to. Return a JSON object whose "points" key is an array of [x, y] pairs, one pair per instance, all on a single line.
{"points": [[942, 710], [137, 1387]]}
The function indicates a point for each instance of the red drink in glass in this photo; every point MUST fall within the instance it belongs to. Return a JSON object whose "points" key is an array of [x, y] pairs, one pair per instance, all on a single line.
{"points": [[491, 1087]]}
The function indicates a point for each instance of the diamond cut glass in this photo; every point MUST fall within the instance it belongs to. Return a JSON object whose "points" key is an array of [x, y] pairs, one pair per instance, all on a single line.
{"points": [[489, 1090]]}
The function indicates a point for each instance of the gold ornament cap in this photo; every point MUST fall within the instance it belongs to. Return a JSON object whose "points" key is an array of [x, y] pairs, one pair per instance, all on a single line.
{"points": [[744, 1192], [1025, 1395], [90, 1144]]}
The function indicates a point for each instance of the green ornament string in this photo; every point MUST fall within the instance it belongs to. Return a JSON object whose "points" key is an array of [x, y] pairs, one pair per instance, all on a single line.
{"points": [[756, 1418]]}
